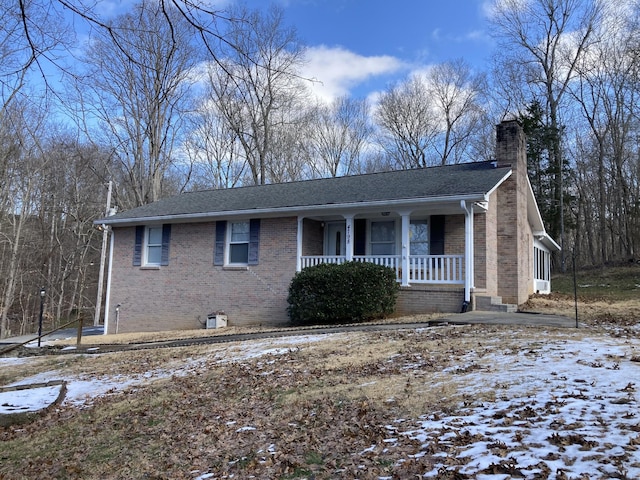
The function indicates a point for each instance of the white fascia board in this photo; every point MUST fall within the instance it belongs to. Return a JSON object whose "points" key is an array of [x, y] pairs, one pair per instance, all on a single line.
{"points": [[544, 238], [500, 182], [291, 211], [533, 212]]}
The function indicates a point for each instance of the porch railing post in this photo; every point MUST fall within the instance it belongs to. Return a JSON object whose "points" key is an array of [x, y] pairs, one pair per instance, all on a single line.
{"points": [[406, 246], [299, 244], [468, 250], [349, 237]]}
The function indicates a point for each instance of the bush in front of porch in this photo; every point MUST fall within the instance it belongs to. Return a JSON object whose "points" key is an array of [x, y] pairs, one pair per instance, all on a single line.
{"points": [[340, 293]]}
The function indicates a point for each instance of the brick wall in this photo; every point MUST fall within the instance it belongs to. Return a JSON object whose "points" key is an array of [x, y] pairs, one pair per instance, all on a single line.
{"points": [[180, 295], [454, 235], [418, 299], [485, 251], [514, 239], [313, 237]]}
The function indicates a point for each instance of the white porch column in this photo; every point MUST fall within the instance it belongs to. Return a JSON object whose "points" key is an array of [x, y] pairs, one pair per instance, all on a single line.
{"points": [[468, 250], [349, 235], [299, 244], [406, 246]]}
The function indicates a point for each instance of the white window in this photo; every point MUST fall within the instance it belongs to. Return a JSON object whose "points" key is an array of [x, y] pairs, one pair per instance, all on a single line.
{"points": [[419, 237], [383, 238], [238, 243], [153, 246]]}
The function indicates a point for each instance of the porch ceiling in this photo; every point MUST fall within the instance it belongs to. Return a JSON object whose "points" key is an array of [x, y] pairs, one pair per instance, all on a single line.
{"points": [[445, 208]]}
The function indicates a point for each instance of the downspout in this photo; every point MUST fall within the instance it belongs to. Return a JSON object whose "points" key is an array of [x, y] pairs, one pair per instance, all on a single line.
{"points": [[468, 254], [108, 294]]}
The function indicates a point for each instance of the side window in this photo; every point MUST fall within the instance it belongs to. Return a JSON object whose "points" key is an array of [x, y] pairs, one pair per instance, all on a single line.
{"points": [[152, 245], [383, 238], [419, 237], [238, 243]]}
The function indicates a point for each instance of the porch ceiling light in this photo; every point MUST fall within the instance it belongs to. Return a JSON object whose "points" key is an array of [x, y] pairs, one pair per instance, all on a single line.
{"points": [[385, 214]]}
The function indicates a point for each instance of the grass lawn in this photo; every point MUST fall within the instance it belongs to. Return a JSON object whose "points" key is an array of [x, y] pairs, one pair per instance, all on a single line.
{"points": [[448, 402]]}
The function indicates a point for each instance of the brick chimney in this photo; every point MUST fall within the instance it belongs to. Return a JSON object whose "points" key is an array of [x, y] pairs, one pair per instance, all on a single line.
{"points": [[511, 145], [515, 242]]}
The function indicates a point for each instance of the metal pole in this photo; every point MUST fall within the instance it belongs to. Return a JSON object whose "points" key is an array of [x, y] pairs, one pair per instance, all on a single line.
{"points": [[42, 294], [79, 336], [103, 252], [575, 287]]}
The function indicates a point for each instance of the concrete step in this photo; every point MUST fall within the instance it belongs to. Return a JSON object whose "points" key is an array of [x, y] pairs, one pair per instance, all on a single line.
{"points": [[494, 304]]}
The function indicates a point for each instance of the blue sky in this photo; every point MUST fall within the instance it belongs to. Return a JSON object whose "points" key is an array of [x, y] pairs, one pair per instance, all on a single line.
{"points": [[357, 47]]}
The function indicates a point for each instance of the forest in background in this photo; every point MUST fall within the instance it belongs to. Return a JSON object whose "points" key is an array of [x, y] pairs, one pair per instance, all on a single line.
{"points": [[172, 96]]}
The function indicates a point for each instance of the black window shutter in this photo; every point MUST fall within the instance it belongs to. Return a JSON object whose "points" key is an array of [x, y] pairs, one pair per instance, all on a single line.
{"points": [[254, 241], [137, 247], [218, 253], [166, 239], [360, 236], [436, 244]]}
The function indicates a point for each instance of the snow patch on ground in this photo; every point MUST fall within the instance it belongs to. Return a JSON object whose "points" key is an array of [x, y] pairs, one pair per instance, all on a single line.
{"points": [[81, 389], [555, 408], [562, 410]]}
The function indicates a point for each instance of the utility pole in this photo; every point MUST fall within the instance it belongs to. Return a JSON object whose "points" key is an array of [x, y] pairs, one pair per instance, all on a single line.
{"points": [[103, 253]]}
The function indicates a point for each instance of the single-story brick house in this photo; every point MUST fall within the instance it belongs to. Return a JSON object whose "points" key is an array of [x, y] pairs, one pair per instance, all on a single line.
{"points": [[458, 236]]}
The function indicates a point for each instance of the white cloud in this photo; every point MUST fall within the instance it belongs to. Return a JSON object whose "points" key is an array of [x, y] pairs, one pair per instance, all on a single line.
{"points": [[336, 71]]}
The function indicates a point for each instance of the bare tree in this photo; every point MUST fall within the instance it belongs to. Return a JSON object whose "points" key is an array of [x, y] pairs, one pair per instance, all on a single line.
{"points": [[456, 92], [545, 40], [137, 91], [22, 172], [433, 117], [408, 125], [31, 37], [214, 151], [339, 135], [255, 86], [606, 94]]}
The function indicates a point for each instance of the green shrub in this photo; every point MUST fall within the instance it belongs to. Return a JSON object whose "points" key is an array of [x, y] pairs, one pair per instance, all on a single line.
{"points": [[349, 292]]}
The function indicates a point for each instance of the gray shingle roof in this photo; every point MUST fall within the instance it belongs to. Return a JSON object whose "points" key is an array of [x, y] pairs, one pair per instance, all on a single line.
{"points": [[444, 181]]}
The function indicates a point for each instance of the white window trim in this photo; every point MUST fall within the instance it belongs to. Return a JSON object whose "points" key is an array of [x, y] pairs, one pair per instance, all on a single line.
{"points": [[426, 221], [228, 243], [146, 245], [396, 240]]}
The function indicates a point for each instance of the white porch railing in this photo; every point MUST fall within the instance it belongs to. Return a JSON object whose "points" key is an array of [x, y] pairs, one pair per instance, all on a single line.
{"points": [[422, 268], [391, 261], [313, 260], [436, 269]]}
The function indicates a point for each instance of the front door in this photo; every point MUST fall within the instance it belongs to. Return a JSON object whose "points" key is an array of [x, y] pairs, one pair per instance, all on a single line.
{"points": [[336, 240]]}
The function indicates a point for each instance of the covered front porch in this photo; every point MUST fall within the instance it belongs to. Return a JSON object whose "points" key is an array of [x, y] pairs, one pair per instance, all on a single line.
{"points": [[430, 247]]}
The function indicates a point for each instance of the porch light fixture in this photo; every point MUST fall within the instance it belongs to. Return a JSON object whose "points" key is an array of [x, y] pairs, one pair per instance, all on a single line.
{"points": [[385, 214]]}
